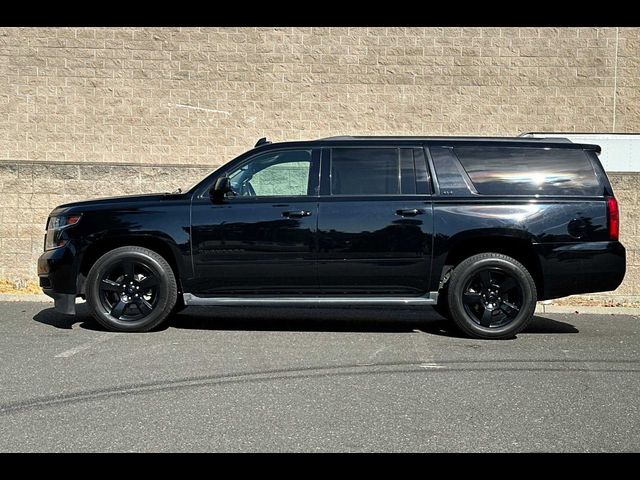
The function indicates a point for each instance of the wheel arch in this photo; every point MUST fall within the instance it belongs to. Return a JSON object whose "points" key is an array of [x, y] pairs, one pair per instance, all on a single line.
{"points": [[98, 248], [517, 247]]}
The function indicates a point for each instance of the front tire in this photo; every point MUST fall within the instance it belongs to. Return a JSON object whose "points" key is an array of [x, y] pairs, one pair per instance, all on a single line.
{"points": [[491, 296], [131, 289]]}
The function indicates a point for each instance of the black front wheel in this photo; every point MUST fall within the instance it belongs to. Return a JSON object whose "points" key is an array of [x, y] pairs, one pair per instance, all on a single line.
{"points": [[131, 289], [491, 296]]}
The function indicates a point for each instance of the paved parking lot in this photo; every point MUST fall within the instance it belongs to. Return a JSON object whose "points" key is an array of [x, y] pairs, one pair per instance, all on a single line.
{"points": [[281, 379]]}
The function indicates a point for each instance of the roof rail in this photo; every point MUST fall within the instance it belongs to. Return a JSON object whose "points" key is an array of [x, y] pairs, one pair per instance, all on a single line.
{"points": [[338, 137], [540, 136]]}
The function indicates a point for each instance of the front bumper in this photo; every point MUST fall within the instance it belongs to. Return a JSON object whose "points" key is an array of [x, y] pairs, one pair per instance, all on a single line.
{"points": [[57, 274], [62, 302]]}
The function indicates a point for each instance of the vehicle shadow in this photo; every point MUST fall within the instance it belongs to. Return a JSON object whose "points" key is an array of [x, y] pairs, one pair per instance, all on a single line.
{"points": [[299, 319], [350, 319], [83, 318]]}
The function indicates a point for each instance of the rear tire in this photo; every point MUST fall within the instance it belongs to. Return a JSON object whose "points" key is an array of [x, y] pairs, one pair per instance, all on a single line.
{"points": [[131, 289], [491, 296]]}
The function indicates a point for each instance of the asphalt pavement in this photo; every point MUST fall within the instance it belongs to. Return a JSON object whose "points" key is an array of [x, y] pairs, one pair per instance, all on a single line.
{"points": [[287, 380]]}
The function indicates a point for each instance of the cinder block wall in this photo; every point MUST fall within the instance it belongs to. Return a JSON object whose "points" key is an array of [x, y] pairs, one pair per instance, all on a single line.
{"points": [[91, 112]]}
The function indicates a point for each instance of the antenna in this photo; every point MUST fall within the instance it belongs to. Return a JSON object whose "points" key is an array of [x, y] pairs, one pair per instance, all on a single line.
{"points": [[262, 141]]}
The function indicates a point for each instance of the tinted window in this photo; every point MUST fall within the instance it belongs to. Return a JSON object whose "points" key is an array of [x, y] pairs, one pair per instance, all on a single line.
{"points": [[423, 185], [407, 171], [365, 171], [529, 171], [451, 176], [284, 173]]}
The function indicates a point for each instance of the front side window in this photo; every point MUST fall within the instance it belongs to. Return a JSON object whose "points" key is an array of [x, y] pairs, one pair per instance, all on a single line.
{"points": [[283, 173]]}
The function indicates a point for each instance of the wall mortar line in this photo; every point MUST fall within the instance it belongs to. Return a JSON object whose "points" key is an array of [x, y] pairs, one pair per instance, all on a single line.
{"points": [[615, 82]]}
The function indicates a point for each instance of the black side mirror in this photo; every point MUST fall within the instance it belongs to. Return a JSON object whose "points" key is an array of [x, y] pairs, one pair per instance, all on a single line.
{"points": [[220, 189]]}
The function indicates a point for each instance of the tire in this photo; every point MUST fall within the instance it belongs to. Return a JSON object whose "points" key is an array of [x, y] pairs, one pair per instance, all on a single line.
{"points": [[491, 296], [114, 300]]}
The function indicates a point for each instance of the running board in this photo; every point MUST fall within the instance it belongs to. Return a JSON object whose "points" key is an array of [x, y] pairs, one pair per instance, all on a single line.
{"points": [[190, 299]]}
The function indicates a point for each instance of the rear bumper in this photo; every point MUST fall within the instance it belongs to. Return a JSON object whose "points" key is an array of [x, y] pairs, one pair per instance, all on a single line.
{"points": [[56, 271], [577, 268]]}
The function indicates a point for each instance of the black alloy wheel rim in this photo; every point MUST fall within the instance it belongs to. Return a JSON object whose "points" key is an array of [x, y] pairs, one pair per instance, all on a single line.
{"points": [[493, 297], [129, 290]]}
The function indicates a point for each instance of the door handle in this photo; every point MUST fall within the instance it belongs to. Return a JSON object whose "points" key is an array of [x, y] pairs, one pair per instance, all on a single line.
{"points": [[409, 212], [296, 214]]}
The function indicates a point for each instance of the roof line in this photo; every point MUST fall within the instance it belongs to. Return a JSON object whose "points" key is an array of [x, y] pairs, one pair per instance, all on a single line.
{"points": [[522, 135], [520, 138]]}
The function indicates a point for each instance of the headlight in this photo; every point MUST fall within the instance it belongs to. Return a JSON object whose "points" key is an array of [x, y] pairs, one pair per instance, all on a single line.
{"points": [[55, 226]]}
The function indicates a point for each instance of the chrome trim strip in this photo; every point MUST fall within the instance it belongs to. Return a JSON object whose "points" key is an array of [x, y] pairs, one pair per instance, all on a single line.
{"points": [[190, 299]]}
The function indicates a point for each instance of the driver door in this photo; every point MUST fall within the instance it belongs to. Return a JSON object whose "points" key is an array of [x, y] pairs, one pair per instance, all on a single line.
{"points": [[261, 239]]}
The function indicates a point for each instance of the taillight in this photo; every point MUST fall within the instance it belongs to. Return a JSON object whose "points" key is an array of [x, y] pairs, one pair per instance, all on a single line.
{"points": [[614, 218]]}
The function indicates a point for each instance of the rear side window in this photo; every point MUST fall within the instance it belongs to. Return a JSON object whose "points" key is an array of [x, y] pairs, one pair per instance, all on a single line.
{"points": [[407, 171], [365, 171], [372, 171], [413, 172], [529, 171]]}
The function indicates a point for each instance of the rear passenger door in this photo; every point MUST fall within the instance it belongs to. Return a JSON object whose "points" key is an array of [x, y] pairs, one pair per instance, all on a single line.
{"points": [[375, 221]]}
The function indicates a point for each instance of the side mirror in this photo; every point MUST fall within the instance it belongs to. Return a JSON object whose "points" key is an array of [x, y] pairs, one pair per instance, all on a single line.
{"points": [[220, 189]]}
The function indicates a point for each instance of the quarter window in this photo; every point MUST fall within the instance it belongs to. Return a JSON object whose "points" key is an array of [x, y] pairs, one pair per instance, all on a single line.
{"points": [[529, 171], [451, 176]]}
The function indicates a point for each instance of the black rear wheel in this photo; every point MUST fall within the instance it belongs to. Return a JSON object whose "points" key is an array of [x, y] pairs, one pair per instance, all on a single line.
{"points": [[131, 289], [491, 296]]}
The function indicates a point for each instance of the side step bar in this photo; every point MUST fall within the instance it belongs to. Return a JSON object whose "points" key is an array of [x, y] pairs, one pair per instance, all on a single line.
{"points": [[190, 299]]}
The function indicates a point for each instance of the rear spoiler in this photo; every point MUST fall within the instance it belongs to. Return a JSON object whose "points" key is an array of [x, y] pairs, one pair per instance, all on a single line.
{"points": [[584, 146]]}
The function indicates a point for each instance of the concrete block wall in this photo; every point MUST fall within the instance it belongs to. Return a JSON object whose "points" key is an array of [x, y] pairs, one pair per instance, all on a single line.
{"points": [[29, 191], [91, 112]]}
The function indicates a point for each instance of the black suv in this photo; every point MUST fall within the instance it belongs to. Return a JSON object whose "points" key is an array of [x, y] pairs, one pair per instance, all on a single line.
{"points": [[479, 228]]}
